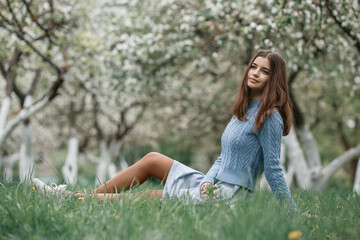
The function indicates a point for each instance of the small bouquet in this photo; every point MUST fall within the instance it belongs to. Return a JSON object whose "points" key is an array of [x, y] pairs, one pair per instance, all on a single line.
{"points": [[210, 193]]}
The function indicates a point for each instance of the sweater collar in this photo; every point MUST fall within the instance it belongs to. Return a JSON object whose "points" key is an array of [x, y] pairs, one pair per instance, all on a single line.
{"points": [[254, 103]]}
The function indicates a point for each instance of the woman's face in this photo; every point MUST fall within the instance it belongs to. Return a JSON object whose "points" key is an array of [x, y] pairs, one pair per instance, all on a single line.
{"points": [[259, 74]]}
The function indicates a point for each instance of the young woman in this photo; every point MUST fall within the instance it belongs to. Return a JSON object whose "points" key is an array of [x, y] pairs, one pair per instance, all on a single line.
{"points": [[250, 145]]}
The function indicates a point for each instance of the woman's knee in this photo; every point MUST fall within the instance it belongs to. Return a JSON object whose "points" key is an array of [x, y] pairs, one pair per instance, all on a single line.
{"points": [[155, 159], [157, 165], [153, 155], [151, 158]]}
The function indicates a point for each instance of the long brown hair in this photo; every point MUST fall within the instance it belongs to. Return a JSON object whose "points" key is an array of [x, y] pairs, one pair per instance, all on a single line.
{"points": [[275, 93]]}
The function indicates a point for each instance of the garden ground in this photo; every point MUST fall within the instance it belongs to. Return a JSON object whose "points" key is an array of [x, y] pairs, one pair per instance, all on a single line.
{"points": [[333, 214]]}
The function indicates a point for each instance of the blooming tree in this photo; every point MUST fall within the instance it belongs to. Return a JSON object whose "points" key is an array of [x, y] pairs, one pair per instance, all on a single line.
{"points": [[35, 29]]}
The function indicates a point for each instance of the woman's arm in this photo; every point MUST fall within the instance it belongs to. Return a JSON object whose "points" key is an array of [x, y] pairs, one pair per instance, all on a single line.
{"points": [[269, 135], [212, 173]]}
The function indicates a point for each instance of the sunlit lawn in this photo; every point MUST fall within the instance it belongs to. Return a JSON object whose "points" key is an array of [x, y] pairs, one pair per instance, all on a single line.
{"points": [[334, 214]]}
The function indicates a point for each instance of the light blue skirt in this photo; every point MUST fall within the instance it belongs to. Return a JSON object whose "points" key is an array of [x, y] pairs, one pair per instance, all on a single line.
{"points": [[184, 182]]}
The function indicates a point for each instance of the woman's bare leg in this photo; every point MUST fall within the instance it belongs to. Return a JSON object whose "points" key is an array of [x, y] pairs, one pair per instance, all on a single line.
{"points": [[150, 194], [153, 164]]}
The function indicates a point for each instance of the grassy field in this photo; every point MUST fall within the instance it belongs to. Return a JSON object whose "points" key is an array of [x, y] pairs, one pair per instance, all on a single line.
{"points": [[335, 214]]}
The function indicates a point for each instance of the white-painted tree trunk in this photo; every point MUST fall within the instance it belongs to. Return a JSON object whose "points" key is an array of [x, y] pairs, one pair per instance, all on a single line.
{"points": [[123, 163], [309, 145], [115, 147], [357, 179], [104, 163], [297, 160], [26, 161], [102, 171], [5, 106], [70, 169], [9, 162], [90, 157], [111, 170]]}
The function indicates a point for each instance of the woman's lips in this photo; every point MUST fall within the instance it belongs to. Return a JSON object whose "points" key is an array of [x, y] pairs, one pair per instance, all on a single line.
{"points": [[253, 80]]}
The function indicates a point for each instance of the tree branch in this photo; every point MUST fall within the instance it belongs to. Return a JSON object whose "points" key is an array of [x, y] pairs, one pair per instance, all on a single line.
{"points": [[34, 18], [10, 159], [15, 59], [95, 116], [84, 144], [127, 128], [19, 25], [19, 94], [335, 165], [34, 82], [82, 105], [23, 115], [344, 28], [299, 119], [2, 69], [21, 36], [90, 157]]}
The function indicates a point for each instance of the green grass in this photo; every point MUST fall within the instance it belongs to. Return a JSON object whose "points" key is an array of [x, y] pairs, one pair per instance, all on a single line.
{"points": [[26, 215]]}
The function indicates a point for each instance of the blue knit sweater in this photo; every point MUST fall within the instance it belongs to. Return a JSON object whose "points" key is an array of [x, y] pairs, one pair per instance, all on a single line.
{"points": [[246, 155]]}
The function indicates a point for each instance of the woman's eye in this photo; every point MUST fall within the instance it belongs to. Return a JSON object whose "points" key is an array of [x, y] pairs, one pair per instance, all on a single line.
{"points": [[252, 67], [265, 72]]}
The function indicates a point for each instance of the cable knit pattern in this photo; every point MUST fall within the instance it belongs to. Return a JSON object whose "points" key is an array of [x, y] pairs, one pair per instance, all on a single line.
{"points": [[246, 155]]}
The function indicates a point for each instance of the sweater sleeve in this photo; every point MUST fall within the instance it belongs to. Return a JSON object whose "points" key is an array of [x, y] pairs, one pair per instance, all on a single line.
{"points": [[269, 135], [212, 173]]}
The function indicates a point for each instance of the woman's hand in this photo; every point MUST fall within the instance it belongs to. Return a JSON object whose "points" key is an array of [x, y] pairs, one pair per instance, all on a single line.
{"points": [[208, 191], [204, 189]]}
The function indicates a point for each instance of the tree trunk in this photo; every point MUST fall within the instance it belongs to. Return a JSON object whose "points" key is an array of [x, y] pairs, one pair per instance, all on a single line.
{"points": [[105, 160], [26, 161], [123, 163], [115, 147], [9, 162], [289, 176], [357, 179], [70, 169], [111, 170], [309, 145], [5, 106], [297, 159]]}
